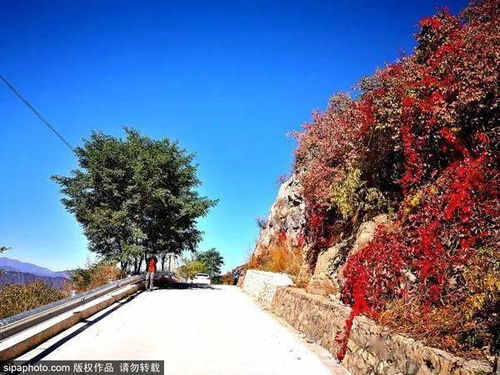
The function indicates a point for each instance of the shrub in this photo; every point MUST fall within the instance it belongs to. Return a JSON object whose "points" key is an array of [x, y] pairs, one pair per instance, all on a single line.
{"points": [[15, 299], [281, 257], [227, 279], [95, 275]]}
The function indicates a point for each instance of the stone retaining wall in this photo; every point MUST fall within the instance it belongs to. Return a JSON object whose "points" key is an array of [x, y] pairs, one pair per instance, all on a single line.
{"points": [[372, 349], [262, 285]]}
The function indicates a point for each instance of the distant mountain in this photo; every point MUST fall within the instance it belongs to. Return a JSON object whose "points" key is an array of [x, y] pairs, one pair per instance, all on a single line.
{"points": [[14, 265], [14, 277]]}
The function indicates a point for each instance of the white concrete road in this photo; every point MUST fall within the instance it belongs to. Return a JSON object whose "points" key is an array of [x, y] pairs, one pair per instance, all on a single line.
{"points": [[195, 331]]}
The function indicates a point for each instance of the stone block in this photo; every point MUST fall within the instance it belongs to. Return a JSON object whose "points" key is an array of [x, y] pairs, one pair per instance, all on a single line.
{"points": [[262, 285]]}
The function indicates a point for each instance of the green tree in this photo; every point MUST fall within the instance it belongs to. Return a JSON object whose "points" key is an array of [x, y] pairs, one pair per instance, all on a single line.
{"points": [[190, 268], [212, 260], [135, 196]]}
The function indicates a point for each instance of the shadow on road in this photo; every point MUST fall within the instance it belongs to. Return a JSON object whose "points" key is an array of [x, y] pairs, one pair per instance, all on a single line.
{"points": [[88, 323], [170, 284], [159, 284]]}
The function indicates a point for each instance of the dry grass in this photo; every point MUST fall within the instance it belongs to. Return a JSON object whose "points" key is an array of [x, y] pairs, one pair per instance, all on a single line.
{"points": [[15, 298], [94, 275], [468, 326], [444, 327], [281, 257], [227, 279]]}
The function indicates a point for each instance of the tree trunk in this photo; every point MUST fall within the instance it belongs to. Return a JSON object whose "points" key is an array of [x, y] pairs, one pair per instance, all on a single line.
{"points": [[120, 251], [163, 259], [140, 264]]}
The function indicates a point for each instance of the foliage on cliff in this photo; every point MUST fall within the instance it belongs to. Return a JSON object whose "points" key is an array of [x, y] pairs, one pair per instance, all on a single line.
{"points": [[421, 143]]}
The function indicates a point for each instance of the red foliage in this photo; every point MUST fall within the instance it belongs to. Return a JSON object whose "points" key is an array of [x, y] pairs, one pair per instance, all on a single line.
{"points": [[431, 22], [425, 134], [282, 236], [465, 201]]}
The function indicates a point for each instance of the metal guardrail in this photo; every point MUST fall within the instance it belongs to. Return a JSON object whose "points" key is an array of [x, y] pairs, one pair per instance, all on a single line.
{"points": [[17, 323]]}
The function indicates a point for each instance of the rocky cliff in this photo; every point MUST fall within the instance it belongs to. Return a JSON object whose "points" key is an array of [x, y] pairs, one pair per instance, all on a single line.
{"points": [[285, 219], [286, 223]]}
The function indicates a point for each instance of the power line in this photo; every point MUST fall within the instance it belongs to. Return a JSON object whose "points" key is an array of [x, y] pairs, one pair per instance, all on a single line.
{"points": [[38, 114]]}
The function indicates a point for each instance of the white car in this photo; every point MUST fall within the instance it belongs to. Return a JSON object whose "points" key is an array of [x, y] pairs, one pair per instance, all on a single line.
{"points": [[201, 278]]}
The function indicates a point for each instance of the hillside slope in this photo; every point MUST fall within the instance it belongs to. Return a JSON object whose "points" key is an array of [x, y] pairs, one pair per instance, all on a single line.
{"points": [[21, 278], [15, 265]]}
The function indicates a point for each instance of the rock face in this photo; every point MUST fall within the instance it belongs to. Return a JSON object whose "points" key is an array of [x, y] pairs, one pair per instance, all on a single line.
{"points": [[286, 220], [366, 232], [327, 277], [324, 280], [372, 349], [286, 217]]}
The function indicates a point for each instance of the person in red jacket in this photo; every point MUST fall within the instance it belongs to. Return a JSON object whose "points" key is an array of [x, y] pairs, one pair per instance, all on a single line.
{"points": [[150, 271]]}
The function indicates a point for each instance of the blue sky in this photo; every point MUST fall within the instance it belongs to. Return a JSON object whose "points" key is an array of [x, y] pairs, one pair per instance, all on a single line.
{"points": [[228, 80]]}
